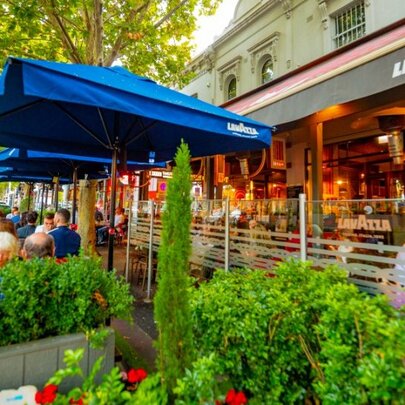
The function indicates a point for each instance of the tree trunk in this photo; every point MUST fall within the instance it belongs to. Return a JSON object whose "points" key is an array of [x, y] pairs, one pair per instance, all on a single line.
{"points": [[86, 224], [98, 33]]}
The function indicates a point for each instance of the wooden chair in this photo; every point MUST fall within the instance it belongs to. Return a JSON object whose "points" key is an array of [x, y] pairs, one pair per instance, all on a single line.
{"points": [[137, 263]]}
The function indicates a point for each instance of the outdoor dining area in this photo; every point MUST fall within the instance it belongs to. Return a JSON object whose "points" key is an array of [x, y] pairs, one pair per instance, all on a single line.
{"points": [[270, 307]]}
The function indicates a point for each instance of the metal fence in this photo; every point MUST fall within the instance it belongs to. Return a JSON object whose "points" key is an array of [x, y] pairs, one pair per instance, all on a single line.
{"points": [[364, 237]]}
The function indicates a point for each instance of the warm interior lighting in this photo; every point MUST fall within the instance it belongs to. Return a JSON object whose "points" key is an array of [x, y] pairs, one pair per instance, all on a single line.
{"points": [[383, 139]]}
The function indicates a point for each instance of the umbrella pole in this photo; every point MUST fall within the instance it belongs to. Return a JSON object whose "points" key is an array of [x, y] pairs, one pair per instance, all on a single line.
{"points": [[74, 195], [56, 193], [29, 195], [42, 203], [112, 209]]}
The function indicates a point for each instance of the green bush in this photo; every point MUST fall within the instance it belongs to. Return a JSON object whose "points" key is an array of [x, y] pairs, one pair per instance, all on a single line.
{"points": [[362, 349], [114, 388], [303, 335], [43, 298]]}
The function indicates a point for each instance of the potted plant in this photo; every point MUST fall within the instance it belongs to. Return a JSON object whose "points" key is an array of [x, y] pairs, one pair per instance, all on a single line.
{"points": [[47, 308]]}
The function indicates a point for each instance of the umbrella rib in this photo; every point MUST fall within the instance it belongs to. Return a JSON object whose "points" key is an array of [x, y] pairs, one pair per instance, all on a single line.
{"points": [[18, 109], [130, 129], [105, 127], [139, 134], [81, 125]]}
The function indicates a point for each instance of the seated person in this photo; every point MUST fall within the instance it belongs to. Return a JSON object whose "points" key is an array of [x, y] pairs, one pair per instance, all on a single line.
{"points": [[9, 247], [48, 224], [39, 244], [67, 242], [14, 215], [7, 225], [120, 221], [28, 229], [98, 218]]}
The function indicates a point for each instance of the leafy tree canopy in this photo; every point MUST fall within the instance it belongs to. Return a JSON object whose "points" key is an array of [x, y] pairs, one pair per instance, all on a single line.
{"points": [[149, 37]]}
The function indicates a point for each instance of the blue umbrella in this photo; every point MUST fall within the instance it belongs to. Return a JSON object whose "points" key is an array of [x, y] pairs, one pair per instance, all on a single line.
{"points": [[38, 163], [107, 112], [26, 178], [63, 162]]}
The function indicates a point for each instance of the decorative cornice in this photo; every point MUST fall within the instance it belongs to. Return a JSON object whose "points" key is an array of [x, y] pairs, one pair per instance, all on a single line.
{"points": [[241, 24], [232, 67], [323, 8], [287, 7], [267, 46], [209, 58]]}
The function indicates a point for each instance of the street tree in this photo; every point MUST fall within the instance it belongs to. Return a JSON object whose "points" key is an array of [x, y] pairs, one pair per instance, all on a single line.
{"points": [[149, 37]]}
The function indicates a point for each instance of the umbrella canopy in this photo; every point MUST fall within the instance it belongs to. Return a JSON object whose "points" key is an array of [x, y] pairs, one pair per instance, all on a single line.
{"points": [[90, 110], [107, 111]]}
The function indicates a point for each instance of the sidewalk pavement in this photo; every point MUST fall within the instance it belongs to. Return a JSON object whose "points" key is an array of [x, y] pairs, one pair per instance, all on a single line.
{"points": [[142, 332]]}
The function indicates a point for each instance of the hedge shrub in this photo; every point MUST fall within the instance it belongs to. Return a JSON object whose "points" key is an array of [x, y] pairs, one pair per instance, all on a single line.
{"points": [[41, 298], [304, 335]]}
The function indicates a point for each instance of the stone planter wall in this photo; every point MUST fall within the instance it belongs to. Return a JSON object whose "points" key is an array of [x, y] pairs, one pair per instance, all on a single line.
{"points": [[33, 363]]}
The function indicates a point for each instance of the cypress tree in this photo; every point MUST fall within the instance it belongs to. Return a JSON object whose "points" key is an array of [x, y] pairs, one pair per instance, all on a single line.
{"points": [[172, 308]]}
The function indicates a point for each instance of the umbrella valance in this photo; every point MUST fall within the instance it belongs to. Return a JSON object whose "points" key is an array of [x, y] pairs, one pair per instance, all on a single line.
{"points": [[24, 159], [31, 178]]}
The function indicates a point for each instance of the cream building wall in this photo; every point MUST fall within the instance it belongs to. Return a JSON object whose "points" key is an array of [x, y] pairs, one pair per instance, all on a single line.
{"points": [[290, 32]]}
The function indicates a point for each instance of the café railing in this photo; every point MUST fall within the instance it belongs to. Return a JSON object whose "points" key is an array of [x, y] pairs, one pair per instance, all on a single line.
{"points": [[307, 230]]}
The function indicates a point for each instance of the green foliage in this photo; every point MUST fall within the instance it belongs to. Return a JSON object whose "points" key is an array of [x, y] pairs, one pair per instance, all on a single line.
{"points": [[5, 209], [200, 384], [43, 298], [151, 38], [172, 308], [361, 349], [302, 336], [151, 392], [24, 204], [109, 391]]}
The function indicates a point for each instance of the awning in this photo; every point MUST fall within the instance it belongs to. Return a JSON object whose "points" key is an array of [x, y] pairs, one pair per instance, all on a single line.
{"points": [[370, 68]]}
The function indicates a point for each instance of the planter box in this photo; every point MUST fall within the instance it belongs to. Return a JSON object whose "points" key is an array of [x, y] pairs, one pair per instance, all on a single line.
{"points": [[33, 363]]}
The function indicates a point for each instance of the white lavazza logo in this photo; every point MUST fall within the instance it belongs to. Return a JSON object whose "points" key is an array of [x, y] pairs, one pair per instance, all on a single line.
{"points": [[399, 69], [242, 130], [366, 224]]}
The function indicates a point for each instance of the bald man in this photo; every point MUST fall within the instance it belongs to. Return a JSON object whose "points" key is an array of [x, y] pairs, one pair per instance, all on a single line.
{"points": [[39, 244]]}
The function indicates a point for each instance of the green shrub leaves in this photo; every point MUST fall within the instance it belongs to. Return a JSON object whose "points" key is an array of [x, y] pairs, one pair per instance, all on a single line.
{"points": [[43, 298]]}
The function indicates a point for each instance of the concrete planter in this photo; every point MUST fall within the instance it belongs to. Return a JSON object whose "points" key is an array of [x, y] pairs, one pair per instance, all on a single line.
{"points": [[33, 363]]}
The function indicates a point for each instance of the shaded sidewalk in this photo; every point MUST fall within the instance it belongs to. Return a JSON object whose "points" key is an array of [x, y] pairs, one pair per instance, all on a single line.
{"points": [[141, 334]]}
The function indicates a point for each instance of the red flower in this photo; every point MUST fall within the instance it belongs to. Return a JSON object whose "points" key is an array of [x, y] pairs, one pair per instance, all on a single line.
{"points": [[76, 401], [47, 395], [136, 376], [235, 398]]}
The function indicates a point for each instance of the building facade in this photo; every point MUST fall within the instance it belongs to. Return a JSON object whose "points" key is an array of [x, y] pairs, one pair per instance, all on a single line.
{"points": [[330, 76]]}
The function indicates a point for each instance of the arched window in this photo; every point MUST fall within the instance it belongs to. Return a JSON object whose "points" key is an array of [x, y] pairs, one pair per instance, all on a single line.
{"points": [[267, 71], [231, 91]]}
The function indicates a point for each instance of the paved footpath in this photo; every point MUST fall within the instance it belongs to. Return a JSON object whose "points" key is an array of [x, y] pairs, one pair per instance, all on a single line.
{"points": [[143, 331]]}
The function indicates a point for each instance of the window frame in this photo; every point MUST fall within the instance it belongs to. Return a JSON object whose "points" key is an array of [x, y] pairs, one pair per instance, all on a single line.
{"points": [[353, 32]]}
